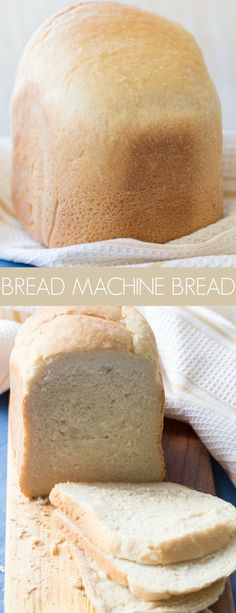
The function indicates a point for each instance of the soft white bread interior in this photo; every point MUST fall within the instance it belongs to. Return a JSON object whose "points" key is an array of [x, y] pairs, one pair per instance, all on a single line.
{"points": [[116, 129], [86, 398], [154, 523], [108, 597], [149, 582]]}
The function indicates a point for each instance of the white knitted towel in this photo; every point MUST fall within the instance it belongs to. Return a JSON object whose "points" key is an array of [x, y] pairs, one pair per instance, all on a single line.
{"points": [[211, 246], [197, 349]]}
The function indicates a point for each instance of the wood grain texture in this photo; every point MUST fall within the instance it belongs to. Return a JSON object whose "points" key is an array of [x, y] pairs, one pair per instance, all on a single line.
{"points": [[36, 581], [211, 21], [40, 573]]}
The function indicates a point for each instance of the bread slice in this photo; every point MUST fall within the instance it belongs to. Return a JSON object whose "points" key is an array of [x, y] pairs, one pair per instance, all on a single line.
{"points": [[108, 597], [155, 523], [154, 582], [86, 398]]}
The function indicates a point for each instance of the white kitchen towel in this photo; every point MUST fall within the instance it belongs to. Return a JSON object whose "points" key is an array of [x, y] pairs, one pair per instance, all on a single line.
{"points": [[10, 322], [197, 349], [211, 246]]}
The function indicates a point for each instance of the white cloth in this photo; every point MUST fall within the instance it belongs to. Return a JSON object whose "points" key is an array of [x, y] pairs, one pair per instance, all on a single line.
{"points": [[197, 349], [214, 245], [10, 322]]}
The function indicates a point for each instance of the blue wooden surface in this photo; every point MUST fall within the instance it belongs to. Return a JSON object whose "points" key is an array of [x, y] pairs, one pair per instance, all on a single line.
{"points": [[224, 488], [3, 473], [5, 264]]}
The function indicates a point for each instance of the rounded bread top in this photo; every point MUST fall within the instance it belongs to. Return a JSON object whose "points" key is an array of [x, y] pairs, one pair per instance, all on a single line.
{"points": [[112, 65], [54, 331]]}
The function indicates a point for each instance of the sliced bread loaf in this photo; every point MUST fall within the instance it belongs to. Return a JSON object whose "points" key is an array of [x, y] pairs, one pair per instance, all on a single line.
{"points": [[86, 398], [155, 523], [109, 597], [154, 583]]}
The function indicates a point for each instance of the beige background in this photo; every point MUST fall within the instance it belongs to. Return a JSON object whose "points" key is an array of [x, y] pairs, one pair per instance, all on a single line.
{"points": [[211, 21], [149, 286]]}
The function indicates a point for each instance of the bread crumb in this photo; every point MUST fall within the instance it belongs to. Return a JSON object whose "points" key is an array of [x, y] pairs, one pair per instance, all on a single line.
{"points": [[32, 590], [22, 533], [36, 543], [76, 583], [42, 501], [55, 549]]}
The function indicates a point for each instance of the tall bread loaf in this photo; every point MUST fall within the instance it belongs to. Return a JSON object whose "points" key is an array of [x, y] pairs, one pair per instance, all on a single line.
{"points": [[116, 129], [86, 398]]}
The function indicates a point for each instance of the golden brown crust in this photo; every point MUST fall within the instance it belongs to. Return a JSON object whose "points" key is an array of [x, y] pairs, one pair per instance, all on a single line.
{"points": [[144, 161]]}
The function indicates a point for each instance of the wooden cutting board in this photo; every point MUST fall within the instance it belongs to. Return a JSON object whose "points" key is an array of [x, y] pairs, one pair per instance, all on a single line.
{"points": [[40, 574]]}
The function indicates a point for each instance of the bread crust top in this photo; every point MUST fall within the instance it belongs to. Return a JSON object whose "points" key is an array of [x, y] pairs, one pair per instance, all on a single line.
{"points": [[54, 331], [136, 65]]}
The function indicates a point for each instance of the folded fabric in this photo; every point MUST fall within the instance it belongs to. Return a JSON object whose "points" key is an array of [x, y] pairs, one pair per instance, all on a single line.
{"points": [[214, 245], [197, 350], [10, 322]]}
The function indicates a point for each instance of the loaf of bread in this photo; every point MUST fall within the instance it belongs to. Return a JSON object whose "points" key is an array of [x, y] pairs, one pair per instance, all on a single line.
{"points": [[110, 597], [137, 521], [154, 583], [116, 129], [86, 398]]}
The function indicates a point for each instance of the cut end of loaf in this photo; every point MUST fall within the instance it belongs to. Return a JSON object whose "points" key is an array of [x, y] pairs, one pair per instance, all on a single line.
{"points": [[88, 405]]}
